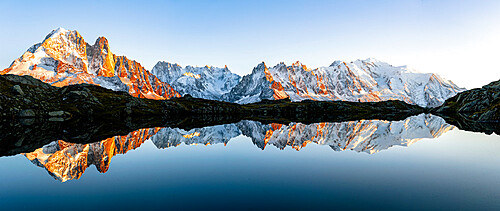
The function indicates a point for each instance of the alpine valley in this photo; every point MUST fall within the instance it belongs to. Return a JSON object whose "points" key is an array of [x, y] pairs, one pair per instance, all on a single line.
{"points": [[64, 58]]}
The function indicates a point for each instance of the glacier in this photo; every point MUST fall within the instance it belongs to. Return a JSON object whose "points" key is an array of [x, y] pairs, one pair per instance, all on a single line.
{"points": [[201, 82]]}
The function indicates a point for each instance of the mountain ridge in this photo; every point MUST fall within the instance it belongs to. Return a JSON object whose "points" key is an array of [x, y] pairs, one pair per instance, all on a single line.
{"points": [[64, 58], [366, 80], [203, 82]]}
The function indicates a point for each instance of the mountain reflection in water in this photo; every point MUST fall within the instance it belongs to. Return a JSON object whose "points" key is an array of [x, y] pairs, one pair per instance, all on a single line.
{"points": [[67, 161]]}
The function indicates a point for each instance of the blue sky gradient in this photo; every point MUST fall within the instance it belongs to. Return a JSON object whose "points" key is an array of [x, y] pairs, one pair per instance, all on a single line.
{"points": [[457, 39]]}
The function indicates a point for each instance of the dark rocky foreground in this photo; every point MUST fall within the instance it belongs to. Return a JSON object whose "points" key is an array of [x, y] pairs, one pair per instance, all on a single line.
{"points": [[25, 97], [474, 110], [33, 113]]}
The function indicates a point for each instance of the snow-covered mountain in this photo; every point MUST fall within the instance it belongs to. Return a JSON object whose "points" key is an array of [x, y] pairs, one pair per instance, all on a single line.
{"points": [[64, 58], [361, 80], [201, 82]]}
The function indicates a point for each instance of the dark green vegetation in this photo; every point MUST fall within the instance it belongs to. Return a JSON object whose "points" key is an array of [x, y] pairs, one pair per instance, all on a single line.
{"points": [[475, 110], [33, 113]]}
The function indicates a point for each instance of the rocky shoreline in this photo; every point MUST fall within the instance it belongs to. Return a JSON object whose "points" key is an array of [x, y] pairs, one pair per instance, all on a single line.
{"points": [[474, 110]]}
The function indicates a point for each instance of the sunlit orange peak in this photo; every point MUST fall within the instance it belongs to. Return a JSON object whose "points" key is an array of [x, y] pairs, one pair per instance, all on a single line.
{"points": [[190, 74]]}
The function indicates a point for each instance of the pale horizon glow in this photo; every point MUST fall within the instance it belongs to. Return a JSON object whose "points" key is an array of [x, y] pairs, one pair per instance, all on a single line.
{"points": [[458, 40]]}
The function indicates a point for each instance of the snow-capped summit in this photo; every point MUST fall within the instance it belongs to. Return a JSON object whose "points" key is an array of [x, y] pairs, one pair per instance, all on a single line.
{"points": [[64, 58], [366, 80], [254, 87], [57, 32], [202, 82]]}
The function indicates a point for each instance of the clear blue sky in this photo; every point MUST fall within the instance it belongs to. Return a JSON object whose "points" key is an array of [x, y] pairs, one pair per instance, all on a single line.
{"points": [[460, 40]]}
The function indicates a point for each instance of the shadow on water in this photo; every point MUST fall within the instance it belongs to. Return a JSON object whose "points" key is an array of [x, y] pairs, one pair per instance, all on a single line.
{"points": [[66, 149], [26, 135]]}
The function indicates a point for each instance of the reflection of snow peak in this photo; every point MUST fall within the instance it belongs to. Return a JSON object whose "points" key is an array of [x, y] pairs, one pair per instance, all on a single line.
{"points": [[66, 161], [368, 136], [191, 135]]}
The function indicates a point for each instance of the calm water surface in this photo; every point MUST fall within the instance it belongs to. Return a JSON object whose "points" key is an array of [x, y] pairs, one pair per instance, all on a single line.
{"points": [[418, 163]]}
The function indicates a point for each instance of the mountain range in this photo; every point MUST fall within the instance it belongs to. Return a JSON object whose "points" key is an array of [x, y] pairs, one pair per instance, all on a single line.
{"points": [[64, 58], [367, 80]]}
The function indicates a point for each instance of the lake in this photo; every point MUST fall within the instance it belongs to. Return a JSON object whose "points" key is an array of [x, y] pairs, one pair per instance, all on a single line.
{"points": [[417, 163]]}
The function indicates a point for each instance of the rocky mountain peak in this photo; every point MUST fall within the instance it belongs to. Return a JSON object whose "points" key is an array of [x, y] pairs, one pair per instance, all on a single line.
{"points": [[58, 32], [101, 60], [64, 58], [336, 63], [260, 66], [102, 43]]}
